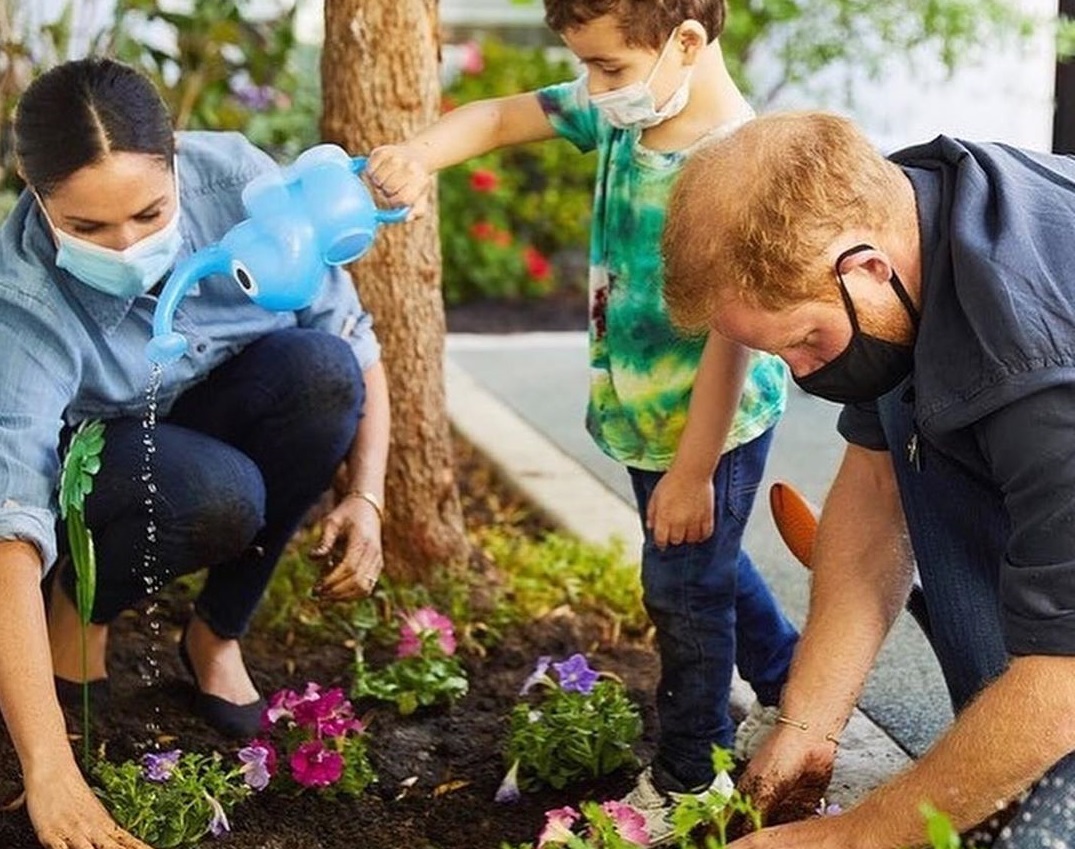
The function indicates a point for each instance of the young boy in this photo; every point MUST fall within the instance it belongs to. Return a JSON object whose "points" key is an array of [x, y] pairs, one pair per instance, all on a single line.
{"points": [[691, 419]]}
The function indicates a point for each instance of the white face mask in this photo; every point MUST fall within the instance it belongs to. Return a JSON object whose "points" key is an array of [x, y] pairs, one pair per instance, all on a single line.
{"points": [[123, 274], [634, 104]]}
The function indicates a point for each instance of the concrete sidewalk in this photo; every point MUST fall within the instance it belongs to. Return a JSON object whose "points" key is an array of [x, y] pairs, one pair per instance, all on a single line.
{"points": [[579, 497]]}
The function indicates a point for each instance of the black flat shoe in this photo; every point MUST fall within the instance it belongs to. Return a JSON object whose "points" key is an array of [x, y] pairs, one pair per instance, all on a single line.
{"points": [[231, 720], [70, 694]]}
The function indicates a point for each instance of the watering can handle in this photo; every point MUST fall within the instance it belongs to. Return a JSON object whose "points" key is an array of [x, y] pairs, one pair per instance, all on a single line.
{"points": [[395, 215]]}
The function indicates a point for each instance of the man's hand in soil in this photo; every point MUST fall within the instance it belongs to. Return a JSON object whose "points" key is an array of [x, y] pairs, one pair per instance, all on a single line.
{"points": [[353, 528], [67, 815], [788, 776]]}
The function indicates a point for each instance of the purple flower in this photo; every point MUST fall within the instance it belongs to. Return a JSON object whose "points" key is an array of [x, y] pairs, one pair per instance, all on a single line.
{"points": [[826, 810], [508, 792], [314, 765], [219, 824], [258, 764], [255, 97], [158, 767], [539, 675], [576, 675]]}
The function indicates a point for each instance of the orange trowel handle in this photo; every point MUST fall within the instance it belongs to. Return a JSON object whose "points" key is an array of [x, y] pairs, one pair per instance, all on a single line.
{"points": [[796, 520]]}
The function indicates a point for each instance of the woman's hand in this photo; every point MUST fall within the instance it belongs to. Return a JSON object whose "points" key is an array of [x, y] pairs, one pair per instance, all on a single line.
{"points": [[354, 526], [400, 178], [67, 815], [680, 509]]}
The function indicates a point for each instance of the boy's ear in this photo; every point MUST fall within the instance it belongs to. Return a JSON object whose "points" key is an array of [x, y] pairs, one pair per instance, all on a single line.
{"points": [[690, 39]]}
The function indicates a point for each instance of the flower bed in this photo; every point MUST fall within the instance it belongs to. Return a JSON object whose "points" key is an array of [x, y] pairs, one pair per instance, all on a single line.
{"points": [[438, 768]]}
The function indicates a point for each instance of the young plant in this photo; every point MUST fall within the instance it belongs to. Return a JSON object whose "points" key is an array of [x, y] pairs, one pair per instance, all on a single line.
{"points": [[609, 825], [712, 811], [82, 462], [574, 727], [321, 740], [173, 798], [426, 669]]}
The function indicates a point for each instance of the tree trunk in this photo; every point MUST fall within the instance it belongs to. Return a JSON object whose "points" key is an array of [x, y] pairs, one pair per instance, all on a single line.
{"points": [[379, 73]]}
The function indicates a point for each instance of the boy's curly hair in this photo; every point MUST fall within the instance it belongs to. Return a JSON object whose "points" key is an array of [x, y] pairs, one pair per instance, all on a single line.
{"points": [[645, 23]]}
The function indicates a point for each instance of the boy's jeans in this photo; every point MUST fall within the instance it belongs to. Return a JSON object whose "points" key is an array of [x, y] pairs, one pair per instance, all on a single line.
{"points": [[239, 460], [712, 611], [959, 529]]}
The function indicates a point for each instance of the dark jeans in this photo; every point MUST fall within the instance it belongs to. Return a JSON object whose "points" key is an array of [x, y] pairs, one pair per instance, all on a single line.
{"points": [[712, 611], [239, 460], [959, 530]]}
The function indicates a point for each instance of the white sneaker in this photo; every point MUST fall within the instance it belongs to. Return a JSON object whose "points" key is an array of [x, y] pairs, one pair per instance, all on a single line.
{"points": [[753, 730], [657, 806]]}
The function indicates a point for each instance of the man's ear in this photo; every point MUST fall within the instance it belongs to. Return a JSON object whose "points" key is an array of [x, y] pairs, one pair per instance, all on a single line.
{"points": [[691, 39], [874, 262]]}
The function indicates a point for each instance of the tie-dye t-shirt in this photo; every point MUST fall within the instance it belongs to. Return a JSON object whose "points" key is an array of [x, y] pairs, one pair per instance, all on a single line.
{"points": [[641, 368]]}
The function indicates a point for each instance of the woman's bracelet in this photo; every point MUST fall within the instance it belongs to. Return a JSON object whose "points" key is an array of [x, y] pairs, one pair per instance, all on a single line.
{"points": [[370, 499], [805, 726]]}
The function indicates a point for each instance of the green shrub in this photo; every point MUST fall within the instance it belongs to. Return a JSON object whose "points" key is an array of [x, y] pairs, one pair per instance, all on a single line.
{"points": [[506, 217]]}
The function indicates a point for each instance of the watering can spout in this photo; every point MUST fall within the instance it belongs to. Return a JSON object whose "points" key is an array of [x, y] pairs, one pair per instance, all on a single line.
{"points": [[167, 346]]}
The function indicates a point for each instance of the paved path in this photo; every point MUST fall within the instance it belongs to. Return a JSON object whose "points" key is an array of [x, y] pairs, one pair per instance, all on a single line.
{"points": [[521, 398]]}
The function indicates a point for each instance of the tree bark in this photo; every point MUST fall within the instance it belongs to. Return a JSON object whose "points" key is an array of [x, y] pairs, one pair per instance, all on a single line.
{"points": [[380, 78]]}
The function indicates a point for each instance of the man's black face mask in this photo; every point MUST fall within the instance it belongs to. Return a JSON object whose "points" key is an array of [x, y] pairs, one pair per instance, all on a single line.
{"points": [[868, 367]]}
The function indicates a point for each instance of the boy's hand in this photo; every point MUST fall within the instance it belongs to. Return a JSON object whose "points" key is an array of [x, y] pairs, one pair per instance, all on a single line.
{"points": [[401, 178], [680, 509]]}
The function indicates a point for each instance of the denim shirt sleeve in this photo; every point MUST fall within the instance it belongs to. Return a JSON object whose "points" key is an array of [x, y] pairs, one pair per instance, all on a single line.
{"points": [[337, 310], [38, 376], [570, 113]]}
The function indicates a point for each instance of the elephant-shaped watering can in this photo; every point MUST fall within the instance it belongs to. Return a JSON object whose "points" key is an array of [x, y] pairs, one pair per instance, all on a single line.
{"points": [[309, 216]]}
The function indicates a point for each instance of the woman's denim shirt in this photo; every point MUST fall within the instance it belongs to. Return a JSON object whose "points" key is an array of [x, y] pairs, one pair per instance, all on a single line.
{"points": [[70, 353]]}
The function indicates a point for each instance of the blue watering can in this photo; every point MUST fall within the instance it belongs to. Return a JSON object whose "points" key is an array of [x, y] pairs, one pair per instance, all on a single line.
{"points": [[311, 215]]}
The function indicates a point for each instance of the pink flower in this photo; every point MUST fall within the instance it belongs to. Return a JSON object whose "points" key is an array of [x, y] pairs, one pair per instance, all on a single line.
{"points": [[473, 62], [313, 765], [282, 704], [418, 624], [630, 824], [557, 828], [537, 264], [483, 180]]}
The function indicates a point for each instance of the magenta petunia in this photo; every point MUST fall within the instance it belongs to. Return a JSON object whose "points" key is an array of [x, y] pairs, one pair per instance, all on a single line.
{"points": [[314, 765]]}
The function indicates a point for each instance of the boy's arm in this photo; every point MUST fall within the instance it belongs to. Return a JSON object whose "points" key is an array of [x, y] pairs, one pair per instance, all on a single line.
{"points": [[681, 509], [403, 171]]}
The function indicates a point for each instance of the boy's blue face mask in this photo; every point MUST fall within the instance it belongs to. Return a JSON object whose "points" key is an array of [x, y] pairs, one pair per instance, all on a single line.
{"points": [[122, 274]]}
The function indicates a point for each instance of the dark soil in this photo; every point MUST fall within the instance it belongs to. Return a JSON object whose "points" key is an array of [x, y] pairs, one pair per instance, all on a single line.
{"points": [[455, 754]]}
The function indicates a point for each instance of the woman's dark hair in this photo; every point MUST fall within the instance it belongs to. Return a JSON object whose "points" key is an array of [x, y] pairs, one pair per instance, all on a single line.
{"points": [[79, 112]]}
